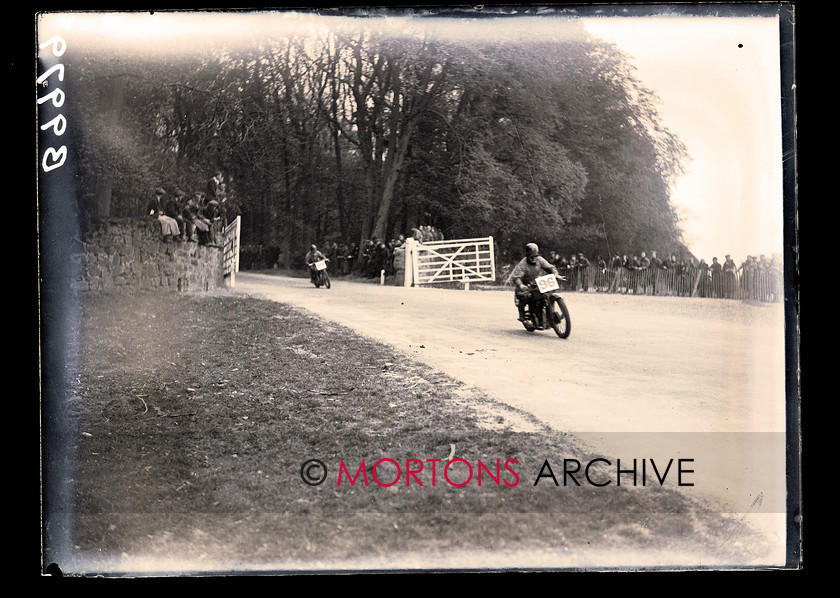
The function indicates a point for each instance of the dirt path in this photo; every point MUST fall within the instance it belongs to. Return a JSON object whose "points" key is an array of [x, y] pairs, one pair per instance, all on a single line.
{"points": [[639, 378]]}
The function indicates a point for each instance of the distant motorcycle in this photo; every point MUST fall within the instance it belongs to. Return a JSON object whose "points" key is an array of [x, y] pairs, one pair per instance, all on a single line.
{"points": [[321, 277], [551, 310]]}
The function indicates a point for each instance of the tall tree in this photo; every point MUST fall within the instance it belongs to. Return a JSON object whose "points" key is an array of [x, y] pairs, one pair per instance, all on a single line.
{"points": [[357, 127]]}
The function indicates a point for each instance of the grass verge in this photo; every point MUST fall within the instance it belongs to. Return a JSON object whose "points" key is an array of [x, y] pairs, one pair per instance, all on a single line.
{"points": [[190, 417]]}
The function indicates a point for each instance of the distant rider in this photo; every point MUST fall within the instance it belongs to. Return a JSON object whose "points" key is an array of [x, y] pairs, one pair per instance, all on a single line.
{"points": [[313, 256], [525, 273]]}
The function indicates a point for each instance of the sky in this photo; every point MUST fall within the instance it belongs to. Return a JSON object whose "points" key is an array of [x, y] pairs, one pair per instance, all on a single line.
{"points": [[718, 79]]}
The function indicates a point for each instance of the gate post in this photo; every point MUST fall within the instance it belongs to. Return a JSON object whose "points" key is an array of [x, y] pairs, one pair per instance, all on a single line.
{"points": [[409, 262]]}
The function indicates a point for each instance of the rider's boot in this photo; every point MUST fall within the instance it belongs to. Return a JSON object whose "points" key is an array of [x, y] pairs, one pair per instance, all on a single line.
{"points": [[537, 316]]}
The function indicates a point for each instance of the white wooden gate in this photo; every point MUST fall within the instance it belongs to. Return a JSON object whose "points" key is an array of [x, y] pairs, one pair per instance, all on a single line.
{"points": [[231, 250], [457, 260]]}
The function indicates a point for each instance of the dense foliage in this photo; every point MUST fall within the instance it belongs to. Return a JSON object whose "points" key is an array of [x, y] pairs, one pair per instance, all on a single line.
{"points": [[337, 129]]}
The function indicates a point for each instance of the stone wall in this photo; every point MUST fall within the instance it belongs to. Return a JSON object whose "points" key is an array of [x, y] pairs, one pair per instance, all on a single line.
{"points": [[130, 254]]}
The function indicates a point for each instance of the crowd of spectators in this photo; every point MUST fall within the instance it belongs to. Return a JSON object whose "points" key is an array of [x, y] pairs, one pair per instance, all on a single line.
{"points": [[377, 255], [198, 218], [757, 277]]}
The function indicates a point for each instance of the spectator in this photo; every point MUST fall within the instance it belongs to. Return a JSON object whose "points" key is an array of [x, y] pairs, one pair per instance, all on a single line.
{"points": [[682, 281], [657, 266], [195, 219], [212, 213], [761, 278], [168, 225], [368, 257], [601, 278], [582, 267], [172, 208], [703, 285], [729, 270], [399, 264], [644, 275], [690, 270], [215, 184], [389, 257], [333, 252], [564, 270], [345, 259], [655, 262], [716, 270], [380, 259], [776, 273], [224, 206], [188, 217], [614, 271]]}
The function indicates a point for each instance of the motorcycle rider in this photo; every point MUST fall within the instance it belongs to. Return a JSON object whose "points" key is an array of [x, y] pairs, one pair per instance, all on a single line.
{"points": [[524, 274], [313, 256]]}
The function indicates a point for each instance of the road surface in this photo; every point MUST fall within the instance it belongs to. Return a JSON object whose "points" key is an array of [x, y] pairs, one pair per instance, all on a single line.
{"points": [[639, 377]]}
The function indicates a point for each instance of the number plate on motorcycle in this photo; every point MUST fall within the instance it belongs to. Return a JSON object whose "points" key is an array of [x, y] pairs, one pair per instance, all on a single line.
{"points": [[547, 283], [321, 265]]}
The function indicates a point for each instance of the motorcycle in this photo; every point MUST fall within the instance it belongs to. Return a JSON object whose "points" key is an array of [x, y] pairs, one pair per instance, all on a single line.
{"points": [[321, 277], [550, 309]]}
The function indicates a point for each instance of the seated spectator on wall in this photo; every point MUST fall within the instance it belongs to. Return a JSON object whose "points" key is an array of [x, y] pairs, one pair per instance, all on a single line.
{"points": [[156, 210], [212, 212], [173, 208], [202, 223], [196, 222]]}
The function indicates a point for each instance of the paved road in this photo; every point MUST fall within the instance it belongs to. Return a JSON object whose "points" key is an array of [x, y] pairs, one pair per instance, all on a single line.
{"points": [[639, 377]]}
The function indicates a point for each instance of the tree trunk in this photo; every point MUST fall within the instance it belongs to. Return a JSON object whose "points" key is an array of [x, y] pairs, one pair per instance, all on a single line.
{"points": [[105, 185], [392, 167]]}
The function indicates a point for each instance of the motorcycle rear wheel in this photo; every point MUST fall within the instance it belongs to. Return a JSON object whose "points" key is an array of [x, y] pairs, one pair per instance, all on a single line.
{"points": [[560, 320]]}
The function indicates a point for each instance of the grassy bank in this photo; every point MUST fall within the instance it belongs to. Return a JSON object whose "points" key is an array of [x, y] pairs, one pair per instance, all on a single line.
{"points": [[192, 415]]}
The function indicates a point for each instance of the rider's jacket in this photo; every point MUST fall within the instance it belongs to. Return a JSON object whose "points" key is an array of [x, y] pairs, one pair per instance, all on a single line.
{"points": [[314, 256], [526, 273]]}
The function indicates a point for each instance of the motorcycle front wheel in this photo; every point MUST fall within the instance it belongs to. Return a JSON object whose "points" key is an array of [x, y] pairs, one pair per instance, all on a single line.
{"points": [[326, 280], [560, 320]]}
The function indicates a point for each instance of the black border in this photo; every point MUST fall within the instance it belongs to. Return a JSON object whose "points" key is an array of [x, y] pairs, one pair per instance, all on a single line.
{"points": [[48, 300]]}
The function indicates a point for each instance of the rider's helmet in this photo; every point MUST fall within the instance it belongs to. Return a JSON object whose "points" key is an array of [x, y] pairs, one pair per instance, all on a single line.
{"points": [[532, 250], [312, 247]]}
